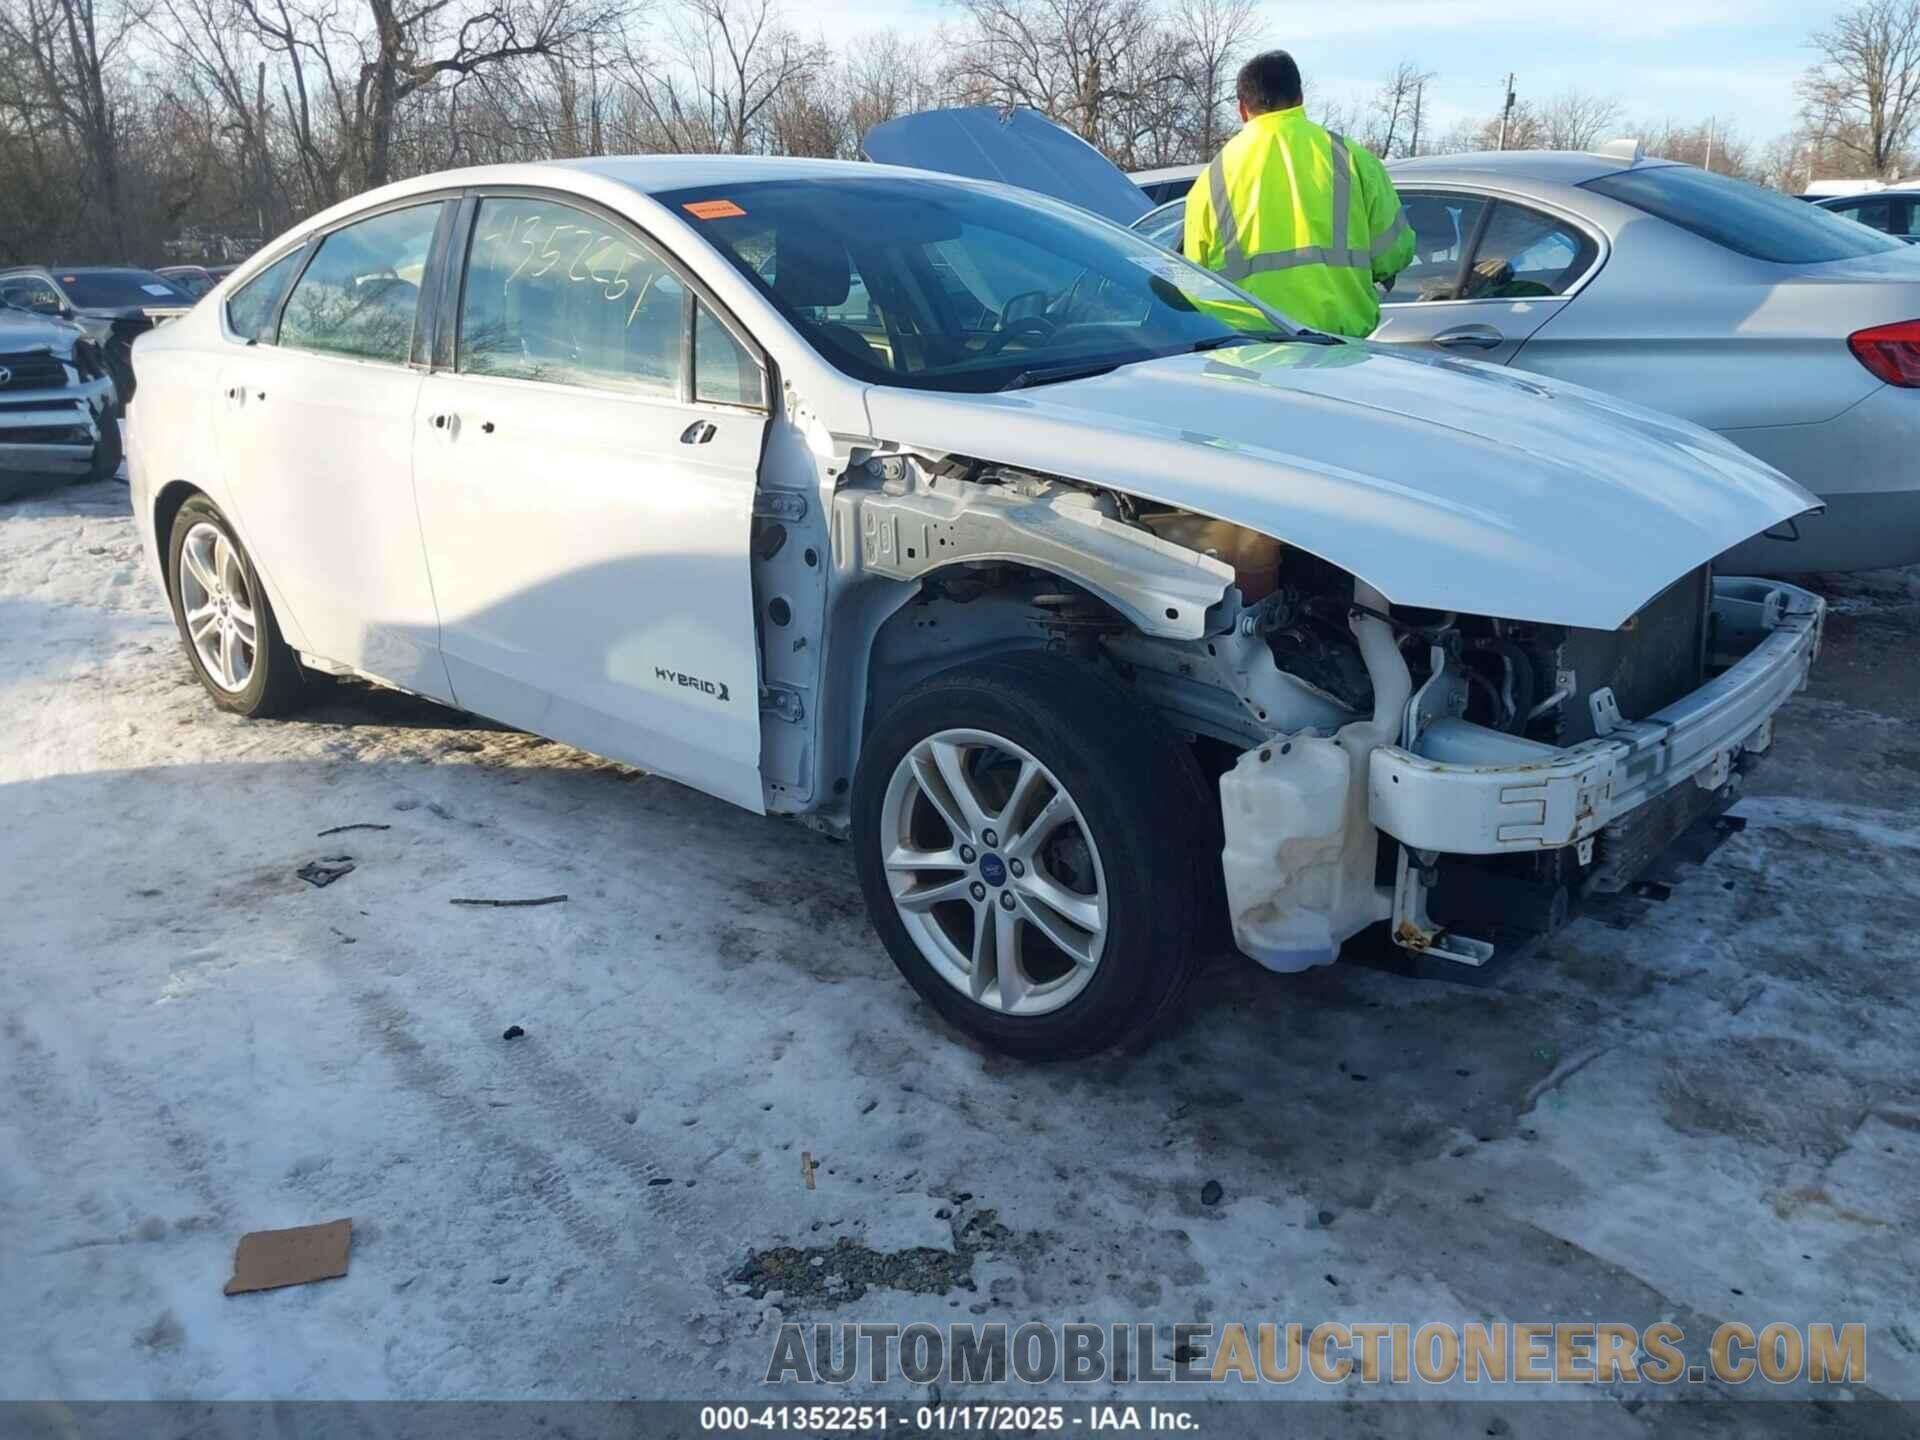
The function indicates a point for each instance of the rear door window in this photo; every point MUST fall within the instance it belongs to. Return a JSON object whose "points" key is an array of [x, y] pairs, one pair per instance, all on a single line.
{"points": [[1526, 254], [1877, 213], [1443, 227], [360, 296], [250, 308], [1761, 224]]}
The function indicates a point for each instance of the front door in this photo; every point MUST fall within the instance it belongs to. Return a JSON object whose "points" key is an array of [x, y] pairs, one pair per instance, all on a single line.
{"points": [[316, 442], [1486, 274], [585, 473]]}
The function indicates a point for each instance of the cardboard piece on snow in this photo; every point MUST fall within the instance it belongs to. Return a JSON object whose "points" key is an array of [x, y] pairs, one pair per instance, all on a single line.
{"points": [[268, 1259]]}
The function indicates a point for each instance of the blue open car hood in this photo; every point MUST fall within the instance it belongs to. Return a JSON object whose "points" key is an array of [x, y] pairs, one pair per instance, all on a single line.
{"points": [[1014, 147]]}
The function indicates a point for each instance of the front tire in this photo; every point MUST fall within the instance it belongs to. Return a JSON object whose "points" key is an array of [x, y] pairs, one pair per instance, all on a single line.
{"points": [[225, 619], [1028, 843], [108, 454]]}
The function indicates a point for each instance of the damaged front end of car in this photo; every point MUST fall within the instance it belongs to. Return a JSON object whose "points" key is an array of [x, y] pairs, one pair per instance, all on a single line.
{"points": [[1465, 778], [58, 402]]}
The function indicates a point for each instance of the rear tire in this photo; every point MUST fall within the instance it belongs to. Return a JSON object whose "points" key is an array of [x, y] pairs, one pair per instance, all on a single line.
{"points": [[224, 617], [1076, 849]]}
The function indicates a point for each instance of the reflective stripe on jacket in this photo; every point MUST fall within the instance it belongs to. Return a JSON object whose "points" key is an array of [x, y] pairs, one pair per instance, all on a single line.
{"points": [[1302, 219]]}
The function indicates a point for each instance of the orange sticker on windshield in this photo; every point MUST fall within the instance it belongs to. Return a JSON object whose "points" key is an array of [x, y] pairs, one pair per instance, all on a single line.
{"points": [[713, 209]]}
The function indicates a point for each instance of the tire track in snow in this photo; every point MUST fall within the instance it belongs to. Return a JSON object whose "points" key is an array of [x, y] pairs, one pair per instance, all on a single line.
{"points": [[569, 1111]]}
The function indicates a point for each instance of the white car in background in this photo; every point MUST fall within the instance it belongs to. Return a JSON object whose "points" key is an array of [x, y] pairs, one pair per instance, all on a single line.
{"points": [[1095, 604]]}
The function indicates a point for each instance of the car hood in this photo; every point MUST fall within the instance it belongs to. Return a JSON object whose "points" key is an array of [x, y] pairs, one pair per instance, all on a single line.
{"points": [[1445, 484], [133, 312], [1015, 147], [22, 330]]}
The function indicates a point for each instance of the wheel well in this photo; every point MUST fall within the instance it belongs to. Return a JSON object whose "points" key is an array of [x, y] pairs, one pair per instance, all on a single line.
{"points": [[166, 505], [966, 611]]}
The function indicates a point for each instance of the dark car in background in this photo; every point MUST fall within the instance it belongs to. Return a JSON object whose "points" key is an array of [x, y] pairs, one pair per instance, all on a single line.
{"points": [[1893, 212], [58, 408], [113, 304]]}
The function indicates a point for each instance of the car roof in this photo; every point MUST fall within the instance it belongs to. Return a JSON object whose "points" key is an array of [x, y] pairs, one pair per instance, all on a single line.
{"points": [[1165, 172], [1561, 167], [651, 174], [1893, 192]]}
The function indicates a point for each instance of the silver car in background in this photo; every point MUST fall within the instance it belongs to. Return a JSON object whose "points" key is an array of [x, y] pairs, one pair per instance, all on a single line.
{"points": [[1790, 330]]}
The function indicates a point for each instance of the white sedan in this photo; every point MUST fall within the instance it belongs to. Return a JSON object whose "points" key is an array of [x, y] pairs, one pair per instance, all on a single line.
{"points": [[1097, 605]]}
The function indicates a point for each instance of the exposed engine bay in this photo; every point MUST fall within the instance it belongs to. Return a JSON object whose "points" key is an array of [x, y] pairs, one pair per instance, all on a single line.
{"points": [[1289, 676]]}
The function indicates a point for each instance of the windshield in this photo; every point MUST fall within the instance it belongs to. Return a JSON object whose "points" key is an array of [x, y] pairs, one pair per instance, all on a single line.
{"points": [[1763, 224], [194, 282], [1165, 227], [117, 289], [937, 285]]}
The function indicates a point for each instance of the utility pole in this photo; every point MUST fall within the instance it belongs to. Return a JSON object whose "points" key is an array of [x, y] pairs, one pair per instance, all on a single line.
{"points": [[1506, 111], [1419, 94], [1709, 164], [593, 101]]}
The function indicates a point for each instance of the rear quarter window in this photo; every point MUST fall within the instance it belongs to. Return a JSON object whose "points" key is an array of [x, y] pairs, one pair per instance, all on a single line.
{"points": [[1746, 219], [250, 308]]}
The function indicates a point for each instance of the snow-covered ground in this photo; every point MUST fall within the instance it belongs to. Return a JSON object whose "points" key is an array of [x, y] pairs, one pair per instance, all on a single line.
{"points": [[1713, 1115]]}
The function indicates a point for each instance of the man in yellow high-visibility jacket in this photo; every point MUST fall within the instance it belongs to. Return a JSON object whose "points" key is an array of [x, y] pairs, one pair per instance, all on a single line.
{"points": [[1301, 217]]}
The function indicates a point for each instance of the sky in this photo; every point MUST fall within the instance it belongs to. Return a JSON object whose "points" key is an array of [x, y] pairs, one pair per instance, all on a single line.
{"points": [[1684, 60]]}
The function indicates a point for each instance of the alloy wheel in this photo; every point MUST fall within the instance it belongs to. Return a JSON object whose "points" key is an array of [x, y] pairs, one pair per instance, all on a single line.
{"points": [[218, 605], [994, 872]]}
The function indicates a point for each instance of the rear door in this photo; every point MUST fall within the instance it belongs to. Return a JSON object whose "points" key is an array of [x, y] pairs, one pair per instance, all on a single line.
{"points": [[316, 436], [587, 451], [1487, 272]]}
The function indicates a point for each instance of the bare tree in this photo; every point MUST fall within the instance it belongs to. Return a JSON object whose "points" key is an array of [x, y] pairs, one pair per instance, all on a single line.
{"points": [[1707, 141], [1216, 34], [1073, 60], [1393, 120], [72, 52], [1864, 96], [417, 43], [711, 87], [809, 117], [223, 59], [884, 76], [1577, 120]]}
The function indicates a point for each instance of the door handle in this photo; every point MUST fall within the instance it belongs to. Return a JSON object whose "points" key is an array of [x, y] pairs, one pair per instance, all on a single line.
{"points": [[1471, 337], [698, 433]]}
